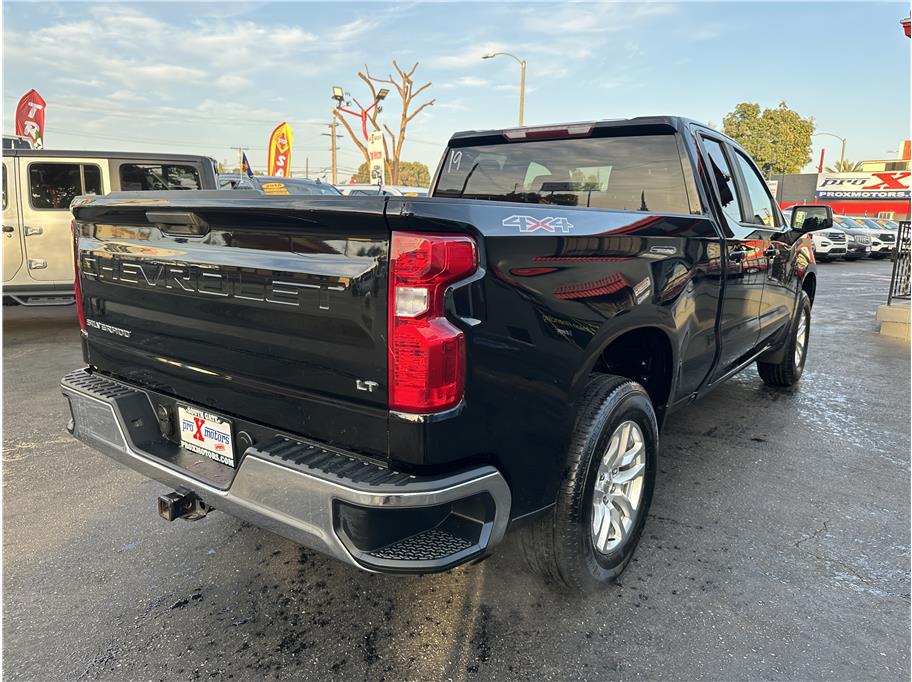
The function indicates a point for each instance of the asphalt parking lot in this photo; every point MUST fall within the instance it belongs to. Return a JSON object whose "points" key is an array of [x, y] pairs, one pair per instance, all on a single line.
{"points": [[777, 548]]}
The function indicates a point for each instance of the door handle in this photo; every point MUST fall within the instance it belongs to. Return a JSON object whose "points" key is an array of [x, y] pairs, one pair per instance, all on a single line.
{"points": [[771, 252], [737, 255], [32, 231], [9, 228]]}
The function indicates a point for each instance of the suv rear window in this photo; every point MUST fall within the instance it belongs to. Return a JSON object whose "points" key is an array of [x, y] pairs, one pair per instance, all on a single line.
{"points": [[144, 176], [637, 173]]}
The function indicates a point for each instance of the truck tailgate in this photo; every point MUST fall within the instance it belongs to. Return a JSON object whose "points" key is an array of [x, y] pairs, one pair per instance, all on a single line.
{"points": [[273, 308]]}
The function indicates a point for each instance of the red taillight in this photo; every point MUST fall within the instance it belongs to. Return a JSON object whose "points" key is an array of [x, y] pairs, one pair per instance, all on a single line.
{"points": [[426, 351], [77, 287]]}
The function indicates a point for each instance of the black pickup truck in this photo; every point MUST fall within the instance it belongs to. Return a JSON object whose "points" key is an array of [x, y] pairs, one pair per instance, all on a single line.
{"points": [[398, 381]]}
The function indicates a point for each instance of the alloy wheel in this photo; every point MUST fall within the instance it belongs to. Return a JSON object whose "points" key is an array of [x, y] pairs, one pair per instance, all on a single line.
{"points": [[618, 490], [801, 337]]}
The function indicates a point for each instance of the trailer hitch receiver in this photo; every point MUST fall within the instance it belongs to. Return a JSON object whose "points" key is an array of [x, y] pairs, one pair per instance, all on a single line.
{"points": [[182, 506]]}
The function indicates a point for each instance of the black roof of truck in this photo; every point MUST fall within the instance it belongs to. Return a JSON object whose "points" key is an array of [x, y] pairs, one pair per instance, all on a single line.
{"points": [[637, 125]]}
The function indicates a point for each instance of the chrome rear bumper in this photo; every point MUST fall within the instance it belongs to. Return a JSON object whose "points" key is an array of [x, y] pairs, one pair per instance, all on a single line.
{"points": [[332, 501]]}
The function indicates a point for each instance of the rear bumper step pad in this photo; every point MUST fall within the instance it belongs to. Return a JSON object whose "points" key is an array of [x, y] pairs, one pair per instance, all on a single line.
{"points": [[338, 503]]}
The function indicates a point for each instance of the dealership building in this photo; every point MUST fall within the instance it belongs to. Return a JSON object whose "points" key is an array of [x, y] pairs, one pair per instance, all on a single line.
{"points": [[880, 188]]}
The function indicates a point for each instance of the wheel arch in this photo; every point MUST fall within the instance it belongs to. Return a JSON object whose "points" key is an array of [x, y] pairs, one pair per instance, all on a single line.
{"points": [[646, 354], [809, 285]]}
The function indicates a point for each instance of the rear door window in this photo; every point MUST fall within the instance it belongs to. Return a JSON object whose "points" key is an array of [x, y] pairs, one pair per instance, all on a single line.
{"points": [[721, 171], [632, 173], [136, 177], [761, 203], [52, 186]]}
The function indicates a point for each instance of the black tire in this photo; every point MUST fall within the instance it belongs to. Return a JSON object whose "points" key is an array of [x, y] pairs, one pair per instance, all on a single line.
{"points": [[788, 371], [559, 545]]}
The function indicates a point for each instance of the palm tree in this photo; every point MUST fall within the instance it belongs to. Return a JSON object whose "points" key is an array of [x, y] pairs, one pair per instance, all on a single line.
{"points": [[844, 166]]}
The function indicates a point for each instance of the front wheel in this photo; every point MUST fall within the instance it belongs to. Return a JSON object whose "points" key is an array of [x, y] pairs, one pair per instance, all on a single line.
{"points": [[586, 540], [789, 369]]}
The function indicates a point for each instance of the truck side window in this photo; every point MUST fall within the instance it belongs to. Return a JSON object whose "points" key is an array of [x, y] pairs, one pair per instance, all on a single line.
{"points": [[728, 195], [54, 185], [4, 188], [764, 213]]}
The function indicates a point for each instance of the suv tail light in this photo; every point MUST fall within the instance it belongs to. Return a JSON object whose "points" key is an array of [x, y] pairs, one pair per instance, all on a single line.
{"points": [[426, 352], [77, 287]]}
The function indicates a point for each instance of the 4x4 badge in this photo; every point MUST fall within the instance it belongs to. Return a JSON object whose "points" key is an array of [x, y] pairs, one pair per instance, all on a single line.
{"points": [[527, 223]]}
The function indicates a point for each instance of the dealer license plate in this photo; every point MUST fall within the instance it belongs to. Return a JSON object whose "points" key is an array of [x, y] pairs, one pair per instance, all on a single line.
{"points": [[206, 434]]}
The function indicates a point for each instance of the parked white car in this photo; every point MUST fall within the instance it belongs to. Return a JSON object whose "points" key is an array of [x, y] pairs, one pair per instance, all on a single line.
{"points": [[384, 191], [829, 244]]}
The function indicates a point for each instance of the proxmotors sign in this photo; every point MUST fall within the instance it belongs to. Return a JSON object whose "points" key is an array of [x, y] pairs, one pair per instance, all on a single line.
{"points": [[877, 185]]}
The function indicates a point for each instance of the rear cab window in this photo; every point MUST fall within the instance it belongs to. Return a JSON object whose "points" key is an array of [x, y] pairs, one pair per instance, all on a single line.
{"points": [[625, 173], [52, 186], [136, 177]]}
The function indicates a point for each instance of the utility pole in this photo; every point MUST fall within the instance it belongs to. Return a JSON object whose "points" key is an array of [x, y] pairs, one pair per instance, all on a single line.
{"points": [[240, 152], [332, 126], [333, 148]]}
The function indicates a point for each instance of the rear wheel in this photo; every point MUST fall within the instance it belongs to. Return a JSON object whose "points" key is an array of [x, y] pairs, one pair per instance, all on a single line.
{"points": [[589, 536], [789, 369]]}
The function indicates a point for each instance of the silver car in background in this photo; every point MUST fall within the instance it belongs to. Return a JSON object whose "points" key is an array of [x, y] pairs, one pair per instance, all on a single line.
{"points": [[858, 238], [883, 237]]}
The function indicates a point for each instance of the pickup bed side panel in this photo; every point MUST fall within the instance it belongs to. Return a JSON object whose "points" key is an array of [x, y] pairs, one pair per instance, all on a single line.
{"points": [[551, 300]]}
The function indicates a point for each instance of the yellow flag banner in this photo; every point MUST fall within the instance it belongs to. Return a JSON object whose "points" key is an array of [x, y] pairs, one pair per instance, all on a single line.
{"points": [[280, 151]]}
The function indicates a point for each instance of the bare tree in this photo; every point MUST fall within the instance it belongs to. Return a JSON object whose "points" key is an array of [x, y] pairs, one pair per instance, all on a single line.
{"points": [[392, 142]]}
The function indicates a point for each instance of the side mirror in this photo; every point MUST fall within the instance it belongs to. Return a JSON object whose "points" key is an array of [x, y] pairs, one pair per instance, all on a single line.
{"points": [[811, 218]]}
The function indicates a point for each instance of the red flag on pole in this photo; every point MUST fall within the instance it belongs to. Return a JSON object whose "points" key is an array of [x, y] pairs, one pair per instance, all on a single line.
{"points": [[30, 117]]}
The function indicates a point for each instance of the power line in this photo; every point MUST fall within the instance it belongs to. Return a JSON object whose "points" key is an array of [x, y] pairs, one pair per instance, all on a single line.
{"points": [[165, 115], [184, 115], [160, 141]]}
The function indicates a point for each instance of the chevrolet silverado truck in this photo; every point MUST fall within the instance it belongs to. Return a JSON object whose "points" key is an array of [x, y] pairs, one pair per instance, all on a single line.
{"points": [[399, 381]]}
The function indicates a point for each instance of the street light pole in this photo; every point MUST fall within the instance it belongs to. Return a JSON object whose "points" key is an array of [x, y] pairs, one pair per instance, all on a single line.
{"points": [[522, 91], [522, 80], [842, 150], [339, 96]]}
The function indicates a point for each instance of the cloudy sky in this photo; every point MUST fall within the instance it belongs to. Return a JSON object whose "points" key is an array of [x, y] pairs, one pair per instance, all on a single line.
{"points": [[201, 78]]}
